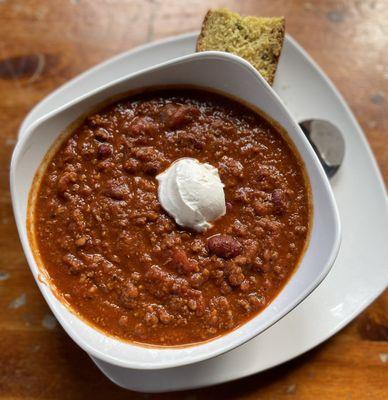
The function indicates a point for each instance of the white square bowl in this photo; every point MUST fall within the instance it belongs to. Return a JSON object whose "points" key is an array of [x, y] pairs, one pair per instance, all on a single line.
{"points": [[235, 77]]}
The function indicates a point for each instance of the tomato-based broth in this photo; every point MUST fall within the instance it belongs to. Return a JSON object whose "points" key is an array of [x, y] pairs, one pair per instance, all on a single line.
{"points": [[121, 262]]}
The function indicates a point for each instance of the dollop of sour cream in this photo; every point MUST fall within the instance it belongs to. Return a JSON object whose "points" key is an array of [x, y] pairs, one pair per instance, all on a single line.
{"points": [[192, 193]]}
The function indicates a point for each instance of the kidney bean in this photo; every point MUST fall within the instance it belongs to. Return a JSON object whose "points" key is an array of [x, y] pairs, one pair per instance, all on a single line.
{"points": [[224, 246]]}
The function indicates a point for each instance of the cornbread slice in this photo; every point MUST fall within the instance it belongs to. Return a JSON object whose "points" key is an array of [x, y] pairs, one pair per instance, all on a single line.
{"points": [[258, 40]]}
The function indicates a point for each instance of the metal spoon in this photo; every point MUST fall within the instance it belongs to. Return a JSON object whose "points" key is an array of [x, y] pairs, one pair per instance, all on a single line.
{"points": [[327, 142]]}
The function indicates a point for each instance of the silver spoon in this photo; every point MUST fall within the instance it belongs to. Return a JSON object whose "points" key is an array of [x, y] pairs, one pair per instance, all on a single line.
{"points": [[327, 142]]}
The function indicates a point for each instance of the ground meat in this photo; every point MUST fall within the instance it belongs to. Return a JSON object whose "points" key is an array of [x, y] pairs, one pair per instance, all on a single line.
{"points": [[244, 195], [236, 278], [198, 279], [189, 139], [130, 291], [81, 242], [151, 319], [153, 167], [66, 180], [263, 208], [73, 263], [164, 316], [142, 125], [181, 262], [116, 190], [230, 166], [176, 116], [131, 165]]}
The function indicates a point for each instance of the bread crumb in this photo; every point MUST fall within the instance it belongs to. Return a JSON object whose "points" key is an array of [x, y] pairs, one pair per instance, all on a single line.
{"points": [[18, 302], [384, 357]]}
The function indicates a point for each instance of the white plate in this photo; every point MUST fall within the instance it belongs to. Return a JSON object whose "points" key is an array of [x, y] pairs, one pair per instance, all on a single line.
{"points": [[360, 273]]}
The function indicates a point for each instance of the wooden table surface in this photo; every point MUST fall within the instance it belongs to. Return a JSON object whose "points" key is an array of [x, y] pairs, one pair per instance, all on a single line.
{"points": [[45, 43]]}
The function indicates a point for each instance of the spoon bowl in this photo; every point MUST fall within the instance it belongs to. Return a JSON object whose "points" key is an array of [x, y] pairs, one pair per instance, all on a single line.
{"points": [[327, 142]]}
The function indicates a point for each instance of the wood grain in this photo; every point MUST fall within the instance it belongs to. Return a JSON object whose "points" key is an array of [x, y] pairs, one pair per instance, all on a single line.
{"points": [[45, 43]]}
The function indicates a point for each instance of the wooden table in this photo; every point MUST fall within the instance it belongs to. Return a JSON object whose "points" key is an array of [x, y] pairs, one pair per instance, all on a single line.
{"points": [[45, 43]]}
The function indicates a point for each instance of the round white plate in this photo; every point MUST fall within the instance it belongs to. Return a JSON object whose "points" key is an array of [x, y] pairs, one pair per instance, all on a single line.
{"points": [[360, 273]]}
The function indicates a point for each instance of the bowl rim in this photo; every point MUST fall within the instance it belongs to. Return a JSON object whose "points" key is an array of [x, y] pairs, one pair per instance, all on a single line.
{"points": [[192, 358]]}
